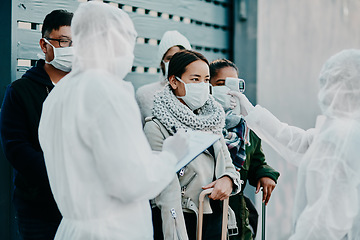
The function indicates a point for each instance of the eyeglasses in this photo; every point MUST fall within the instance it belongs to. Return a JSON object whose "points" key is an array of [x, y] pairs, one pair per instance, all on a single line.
{"points": [[62, 42]]}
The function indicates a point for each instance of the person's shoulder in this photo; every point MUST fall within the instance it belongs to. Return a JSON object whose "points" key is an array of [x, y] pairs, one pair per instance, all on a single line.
{"points": [[253, 136], [154, 129], [150, 88], [101, 81], [344, 131], [21, 81], [150, 127], [23, 84], [153, 123]]}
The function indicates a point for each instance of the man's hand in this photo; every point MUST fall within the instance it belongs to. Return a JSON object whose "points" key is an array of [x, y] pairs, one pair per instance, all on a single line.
{"points": [[222, 188], [267, 185]]}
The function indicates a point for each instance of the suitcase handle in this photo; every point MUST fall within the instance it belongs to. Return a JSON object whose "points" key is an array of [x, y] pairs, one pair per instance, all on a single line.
{"points": [[263, 218], [201, 211]]}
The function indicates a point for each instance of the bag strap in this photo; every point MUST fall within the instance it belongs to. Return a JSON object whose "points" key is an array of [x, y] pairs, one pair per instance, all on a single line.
{"points": [[163, 130]]}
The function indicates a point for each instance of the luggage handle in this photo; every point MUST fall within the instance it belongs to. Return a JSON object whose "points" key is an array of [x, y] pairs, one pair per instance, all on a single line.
{"points": [[263, 218], [201, 210]]}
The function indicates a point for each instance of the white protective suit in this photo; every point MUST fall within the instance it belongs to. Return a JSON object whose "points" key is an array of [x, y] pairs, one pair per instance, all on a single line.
{"points": [[101, 168], [328, 190]]}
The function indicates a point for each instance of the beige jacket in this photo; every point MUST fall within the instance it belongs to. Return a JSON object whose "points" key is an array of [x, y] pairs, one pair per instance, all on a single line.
{"points": [[183, 192]]}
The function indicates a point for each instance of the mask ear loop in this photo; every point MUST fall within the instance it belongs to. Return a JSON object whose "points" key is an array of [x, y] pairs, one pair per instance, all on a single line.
{"points": [[53, 50], [179, 79], [48, 42]]}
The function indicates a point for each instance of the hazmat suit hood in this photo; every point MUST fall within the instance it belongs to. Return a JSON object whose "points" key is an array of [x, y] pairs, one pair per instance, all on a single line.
{"points": [[107, 43], [339, 94]]}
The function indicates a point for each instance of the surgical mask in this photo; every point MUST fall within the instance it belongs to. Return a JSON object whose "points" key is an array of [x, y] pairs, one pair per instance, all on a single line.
{"points": [[63, 57], [220, 93], [196, 94], [166, 65]]}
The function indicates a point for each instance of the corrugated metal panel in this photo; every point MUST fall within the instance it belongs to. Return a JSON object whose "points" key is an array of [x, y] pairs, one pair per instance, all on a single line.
{"points": [[34, 11], [204, 23], [202, 11]]}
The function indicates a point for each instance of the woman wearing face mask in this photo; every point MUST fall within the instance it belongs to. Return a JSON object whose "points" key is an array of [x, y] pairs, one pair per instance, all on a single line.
{"points": [[244, 147], [185, 103]]}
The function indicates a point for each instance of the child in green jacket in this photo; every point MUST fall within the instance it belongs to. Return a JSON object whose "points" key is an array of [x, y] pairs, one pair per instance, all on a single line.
{"points": [[244, 146]]}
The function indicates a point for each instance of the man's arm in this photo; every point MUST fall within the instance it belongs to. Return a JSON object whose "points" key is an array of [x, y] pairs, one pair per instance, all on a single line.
{"points": [[15, 137]]}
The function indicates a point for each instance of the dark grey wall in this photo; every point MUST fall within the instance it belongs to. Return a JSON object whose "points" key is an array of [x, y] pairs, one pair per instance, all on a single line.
{"points": [[6, 212], [244, 52], [244, 43]]}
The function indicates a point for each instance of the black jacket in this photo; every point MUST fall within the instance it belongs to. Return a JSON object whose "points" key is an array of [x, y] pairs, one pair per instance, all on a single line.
{"points": [[19, 122]]}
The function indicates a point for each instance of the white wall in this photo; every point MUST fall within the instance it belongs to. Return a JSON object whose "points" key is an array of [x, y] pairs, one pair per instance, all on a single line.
{"points": [[294, 40]]}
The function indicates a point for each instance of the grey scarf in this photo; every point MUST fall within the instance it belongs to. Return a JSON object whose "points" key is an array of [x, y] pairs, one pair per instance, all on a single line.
{"points": [[175, 115]]}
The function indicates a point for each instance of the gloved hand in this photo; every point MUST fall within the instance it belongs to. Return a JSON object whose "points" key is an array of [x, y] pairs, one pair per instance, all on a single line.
{"points": [[245, 105], [232, 102], [178, 144]]}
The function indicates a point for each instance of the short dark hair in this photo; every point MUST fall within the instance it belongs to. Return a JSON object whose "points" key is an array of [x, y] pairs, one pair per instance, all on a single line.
{"points": [[54, 20], [182, 59], [219, 64]]}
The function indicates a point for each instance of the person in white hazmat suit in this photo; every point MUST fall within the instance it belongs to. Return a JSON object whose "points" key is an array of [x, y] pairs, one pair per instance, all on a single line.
{"points": [[101, 168], [327, 200]]}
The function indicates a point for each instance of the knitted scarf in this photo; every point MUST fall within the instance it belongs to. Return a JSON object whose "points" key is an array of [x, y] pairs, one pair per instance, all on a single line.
{"points": [[235, 134], [175, 115]]}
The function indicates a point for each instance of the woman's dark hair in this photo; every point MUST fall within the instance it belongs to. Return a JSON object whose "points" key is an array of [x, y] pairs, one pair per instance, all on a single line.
{"points": [[219, 64], [182, 59], [54, 20]]}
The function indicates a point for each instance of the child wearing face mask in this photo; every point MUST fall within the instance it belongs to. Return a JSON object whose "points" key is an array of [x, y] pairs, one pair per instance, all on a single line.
{"points": [[244, 147], [185, 103]]}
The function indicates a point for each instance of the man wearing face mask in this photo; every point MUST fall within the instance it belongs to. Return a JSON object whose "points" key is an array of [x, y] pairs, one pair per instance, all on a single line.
{"points": [[37, 214], [171, 43]]}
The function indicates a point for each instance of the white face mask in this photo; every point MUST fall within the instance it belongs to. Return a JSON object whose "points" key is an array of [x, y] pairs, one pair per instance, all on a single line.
{"points": [[196, 94], [221, 96], [63, 58], [166, 65]]}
